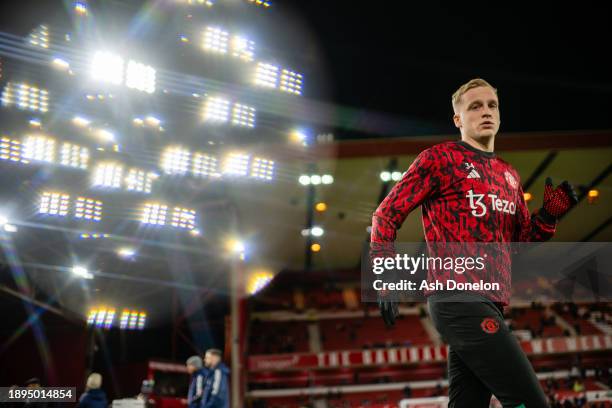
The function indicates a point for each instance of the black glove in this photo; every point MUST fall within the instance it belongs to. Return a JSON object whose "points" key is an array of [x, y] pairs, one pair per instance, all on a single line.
{"points": [[557, 201], [389, 309]]}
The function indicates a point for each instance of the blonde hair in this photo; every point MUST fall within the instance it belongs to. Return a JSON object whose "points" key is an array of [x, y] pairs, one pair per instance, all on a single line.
{"points": [[471, 84], [94, 381]]}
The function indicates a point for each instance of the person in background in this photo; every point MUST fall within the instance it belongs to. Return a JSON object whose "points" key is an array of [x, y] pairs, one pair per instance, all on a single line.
{"points": [[217, 383], [198, 378], [94, 396]]}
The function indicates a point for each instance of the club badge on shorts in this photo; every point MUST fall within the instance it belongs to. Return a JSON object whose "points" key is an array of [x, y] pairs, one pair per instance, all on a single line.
{"points": [[489, 325]]}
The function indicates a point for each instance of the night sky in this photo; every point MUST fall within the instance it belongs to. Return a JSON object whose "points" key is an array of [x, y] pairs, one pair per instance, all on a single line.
{"points": [[550, 62]]}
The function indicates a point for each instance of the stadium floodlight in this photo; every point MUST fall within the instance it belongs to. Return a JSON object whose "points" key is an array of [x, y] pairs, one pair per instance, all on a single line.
{"points": [[266, 75], [140, 180], [39, 148], [258, 280], [152, 121], [54, 203], [11, 150], [327, 179], [243, 115], [298, 136], [73, 155], [154, 214], [107, 67], [25, 97], [108, 174], [101, 317], [236, 246], [385, 176], [315, 179], [205, 165], [126, 252], [262, 169], [236, 164], [138, 122], [195, 232], [261, 3], [216, 109], [132, 320], [140, 77], [175, 160], [304, 180], [81, 121], [183, 218], [88, 209], [35, 123], [81, 272], [396, 176], [215, 40], [61, 63], [39, 37], [291, 82], [105, 135], [80, 8], [243, 48], [9, 228], [317, 231]]}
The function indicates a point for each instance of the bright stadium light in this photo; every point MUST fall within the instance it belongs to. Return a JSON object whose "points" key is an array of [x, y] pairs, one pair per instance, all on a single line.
{"points": [[39, 37], [236, 246], [215, 40], [396, 176], [11, 150], [101, 317], [126, 252], [138, 122], [243, 48], [183, 218], [243, 115], [140, 180], [108, 174], [80, 8], [317, 231], [80, 121], [205, 165], [261, 3], [107, 67], [72, 155], [105, 135], [132, 320], [61, 63], [152, 121], [315, 179], [81, 272], [236, 164], [304, 180], [385, 176], [154, 214], [39, 148], [25, 97], [258, 280], [88, 209], [54, 203], [216, 109], [266, 75], [9, 228], [140, 77], [35, 123], [291, 82], [262, 169], [298, 136], [175, 160], [327, 179]]}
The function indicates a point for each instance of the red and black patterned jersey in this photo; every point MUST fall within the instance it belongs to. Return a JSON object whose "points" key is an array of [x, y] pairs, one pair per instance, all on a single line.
{"points": [[466, 195]]}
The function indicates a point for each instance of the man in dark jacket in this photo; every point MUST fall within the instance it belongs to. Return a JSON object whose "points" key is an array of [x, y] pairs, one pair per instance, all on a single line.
{"points": [[198, 379], [216, 394], [94, 397]]}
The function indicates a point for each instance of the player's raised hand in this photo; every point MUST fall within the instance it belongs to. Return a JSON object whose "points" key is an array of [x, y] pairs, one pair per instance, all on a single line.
{"points": [[557, 201]]}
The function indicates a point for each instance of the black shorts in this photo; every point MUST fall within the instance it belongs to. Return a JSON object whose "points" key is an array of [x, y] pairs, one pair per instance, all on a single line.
{"points": [[484, 357]]}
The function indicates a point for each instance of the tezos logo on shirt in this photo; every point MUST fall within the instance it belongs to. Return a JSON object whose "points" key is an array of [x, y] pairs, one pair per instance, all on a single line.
{"points": [[479, 206]]}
